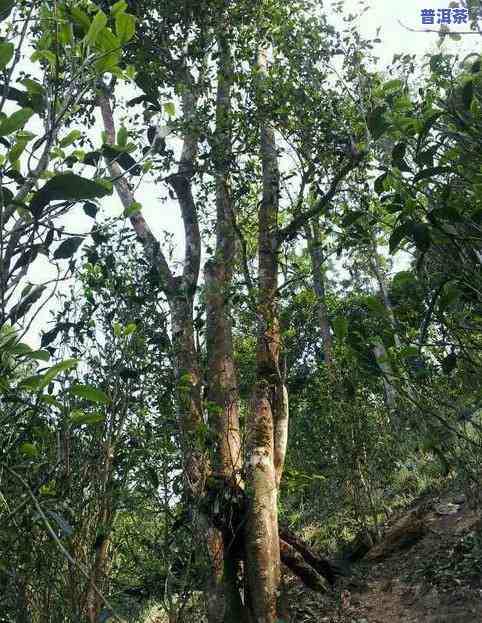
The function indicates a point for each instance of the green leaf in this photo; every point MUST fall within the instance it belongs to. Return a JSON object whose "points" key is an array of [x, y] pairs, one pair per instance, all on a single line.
{"points": [[66, 33], [134, 208], [110, 46], [68, 248], [118, 7], [125, 27], [81, 18], [16, 151], [70, 138], [392, 86], [79, 418], [398, 157], [447, 212], [340, 327], [90, 209], [52, 402], [122, 136], [7, 51], [68, 187], [398, 234], [54, 371], [421, 236], [130, 329], [6, 196], [152, 476], [21, 349], [6, 7], [429, 122], [376, 122], [25, 135], [170, 109], [351, 218], [89, 393], [398, 152], [449, 363], [15, 121], [98, 23], [475, 67], [379, 183], [397, 204], [425, 158], [432, 172], [29, 450], [40, 355], [408, 351], [375, 306], [44, 55], [33, 87], [32, 383], [49, 336], [130, 72], [125, 160], [468, 94]]}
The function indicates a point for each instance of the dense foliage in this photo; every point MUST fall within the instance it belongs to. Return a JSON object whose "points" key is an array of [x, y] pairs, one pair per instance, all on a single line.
{"points": [[338, 211]]}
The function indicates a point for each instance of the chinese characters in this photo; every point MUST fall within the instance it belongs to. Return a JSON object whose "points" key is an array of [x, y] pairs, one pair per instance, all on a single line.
{"points": [[444, 16]]}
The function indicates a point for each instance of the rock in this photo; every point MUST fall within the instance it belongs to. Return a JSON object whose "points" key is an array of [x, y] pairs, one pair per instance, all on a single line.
{"points": [[447, 509]]}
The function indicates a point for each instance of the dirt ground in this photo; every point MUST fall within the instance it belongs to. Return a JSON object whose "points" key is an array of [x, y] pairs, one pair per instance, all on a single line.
{"points": [[436, 580]]}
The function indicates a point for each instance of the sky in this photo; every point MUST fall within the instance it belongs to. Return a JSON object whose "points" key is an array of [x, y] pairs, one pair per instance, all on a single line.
{"points": [[383, 14]]}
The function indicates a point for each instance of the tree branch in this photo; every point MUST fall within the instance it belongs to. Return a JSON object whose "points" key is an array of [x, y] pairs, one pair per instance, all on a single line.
{"points": [[151, 245], [291, 230], [181, 183]]}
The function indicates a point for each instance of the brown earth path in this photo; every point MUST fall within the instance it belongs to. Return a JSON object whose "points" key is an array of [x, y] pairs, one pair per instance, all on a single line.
{"points": [[436, 580]]}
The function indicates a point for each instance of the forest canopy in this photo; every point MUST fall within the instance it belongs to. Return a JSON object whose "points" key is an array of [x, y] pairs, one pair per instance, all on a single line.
{"points": [[240, 301]]}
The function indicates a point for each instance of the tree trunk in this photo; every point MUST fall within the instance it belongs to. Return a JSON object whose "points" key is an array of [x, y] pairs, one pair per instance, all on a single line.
{"points": [[316, 256], [180, 292], [392, 397], [268, 420], [104, 525], [380, 277], [223, 399], [383, 362]]}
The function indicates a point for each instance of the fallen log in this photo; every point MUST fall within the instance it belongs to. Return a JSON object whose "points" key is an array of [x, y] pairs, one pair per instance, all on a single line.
{"points": [[328, 569], [304, 571], [402, 535]]}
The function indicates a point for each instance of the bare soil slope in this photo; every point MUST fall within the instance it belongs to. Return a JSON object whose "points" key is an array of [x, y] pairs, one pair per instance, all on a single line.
{"points": [[434, 575]]}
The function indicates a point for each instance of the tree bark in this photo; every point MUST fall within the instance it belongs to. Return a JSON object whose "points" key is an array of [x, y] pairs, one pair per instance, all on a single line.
{"points": [[180, 292], [298, 565], [222, 382], [267, 419], [383, 362], [379, 350], [316, 256], [223, 399], [380, 277], [322, 566]]}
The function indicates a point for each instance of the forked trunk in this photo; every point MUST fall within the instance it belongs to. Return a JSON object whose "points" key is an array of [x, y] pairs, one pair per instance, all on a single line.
{"points": [[223, 400], [180, 292], [268, 417]]}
